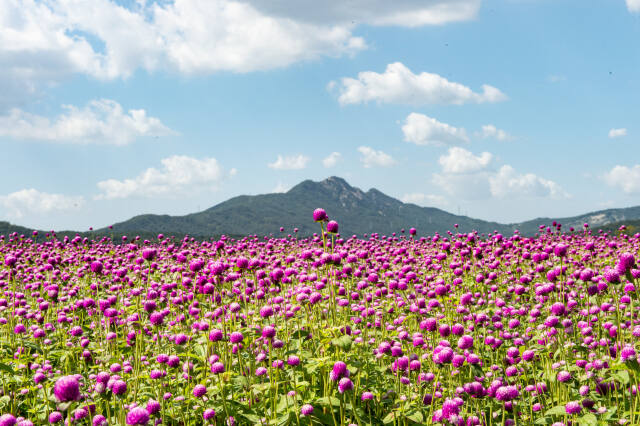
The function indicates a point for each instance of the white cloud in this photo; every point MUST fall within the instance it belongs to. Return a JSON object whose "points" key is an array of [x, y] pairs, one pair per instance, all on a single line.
{"points": [[633, 5], [420, 198], [280, 188], [179, 175], [32, 201], [507, 183], [468, 176], [293, 162], [489, 131], [625, 178], [401, 86], [372, 158], [100, 122], [617, 133], [406, 13], [423, 130], [332, 159], [459, 160]]}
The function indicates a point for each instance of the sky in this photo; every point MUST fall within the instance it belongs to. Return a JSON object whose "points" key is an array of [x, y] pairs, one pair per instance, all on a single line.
{"points": [[502, 110]]}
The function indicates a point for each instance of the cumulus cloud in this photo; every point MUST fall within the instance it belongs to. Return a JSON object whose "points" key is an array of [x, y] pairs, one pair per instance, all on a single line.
{"points": [[625, 178], [399, 85], [617, 133], [469, 177], [179, 174], [420, 198], [459, 160], [32, 201], [489, 131], [633, 5], [406, 13], [423, 130], [281, 188], [292, 162], [99, 122], [332, 159], [508, 183], [372, 158]]}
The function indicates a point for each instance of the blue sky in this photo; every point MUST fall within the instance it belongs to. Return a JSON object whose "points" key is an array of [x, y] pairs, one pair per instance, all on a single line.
{"points": [[504, 110]]}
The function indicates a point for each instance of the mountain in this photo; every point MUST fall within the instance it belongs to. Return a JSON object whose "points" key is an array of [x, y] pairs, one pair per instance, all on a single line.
{"points": [[356, 211]]}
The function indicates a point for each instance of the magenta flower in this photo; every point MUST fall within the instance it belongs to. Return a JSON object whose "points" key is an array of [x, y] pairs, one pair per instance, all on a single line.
{"points": [[67, 389]]}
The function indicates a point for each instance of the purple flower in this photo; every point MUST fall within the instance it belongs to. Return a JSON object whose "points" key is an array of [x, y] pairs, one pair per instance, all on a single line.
{"points": [[564, 376], [293, 360], [96, 267], [573, 407], [217, 368], [332, 226], [215, 335], [345, 384], [99, 420], [10, 260], [236, 337], [268, 332], [339, 371], [119, 387], [199, 390], [367, 396], [319, 215], [627, 353], [67, 389], [7, 420], [149, 254], [209, 414], [153, 407], [507, 393], [306, 410], [55, 417], [465, 342], [137, 416]]}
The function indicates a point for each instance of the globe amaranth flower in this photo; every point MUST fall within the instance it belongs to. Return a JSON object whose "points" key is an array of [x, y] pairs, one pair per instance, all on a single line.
{"points": [[55, 417], [153, 407], [236, 337], [465, 342], [99, 420], [306, 410], [339, 371], [345, 384], [507, 393], [119, 387], [319, 215], [572, 407], [209, 414], [7, 420], [199, 390], [67, 389], [564, 376], [137, 416], [217, 368], [332, 227]]}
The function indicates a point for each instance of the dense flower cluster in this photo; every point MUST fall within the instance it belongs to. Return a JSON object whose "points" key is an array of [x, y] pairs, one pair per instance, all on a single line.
{"points": [[462, 328]]}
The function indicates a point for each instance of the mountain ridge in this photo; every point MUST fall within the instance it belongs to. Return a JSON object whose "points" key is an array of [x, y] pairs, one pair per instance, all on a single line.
{"points": [[358, 212]]}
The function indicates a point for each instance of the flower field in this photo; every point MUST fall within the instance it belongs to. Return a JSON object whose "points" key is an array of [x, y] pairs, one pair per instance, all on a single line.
{"points": [[463, 329]]}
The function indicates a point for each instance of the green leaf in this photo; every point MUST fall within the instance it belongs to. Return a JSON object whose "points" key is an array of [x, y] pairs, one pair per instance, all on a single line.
{"points": [[328, 401], [558, 410], [343, 342], [7, 368], [389, 418], [622, 376], [416, 416], [588, 420]]}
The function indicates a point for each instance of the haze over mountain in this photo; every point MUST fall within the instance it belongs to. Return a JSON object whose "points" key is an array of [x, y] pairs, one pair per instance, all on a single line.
{"points": [[356, 211]]}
